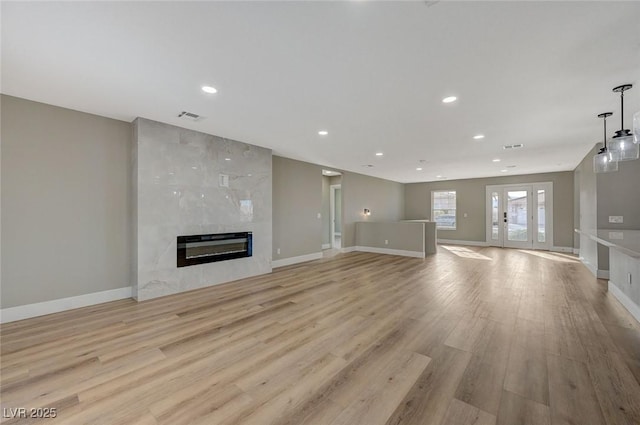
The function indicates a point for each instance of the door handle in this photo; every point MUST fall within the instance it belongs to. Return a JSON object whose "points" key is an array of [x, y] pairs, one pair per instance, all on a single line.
{"points": [[505, 216]]}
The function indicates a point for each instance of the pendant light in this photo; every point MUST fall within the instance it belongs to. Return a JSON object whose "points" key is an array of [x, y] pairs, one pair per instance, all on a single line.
{"points": [[622, 146], [603, 161]]}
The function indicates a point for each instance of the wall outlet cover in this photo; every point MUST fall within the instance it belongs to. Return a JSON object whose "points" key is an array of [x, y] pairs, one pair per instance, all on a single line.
{"points": [[615, 219]]}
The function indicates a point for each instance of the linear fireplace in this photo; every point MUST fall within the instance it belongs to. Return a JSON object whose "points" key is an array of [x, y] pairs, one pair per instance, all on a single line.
{"points": [[199, 249]]}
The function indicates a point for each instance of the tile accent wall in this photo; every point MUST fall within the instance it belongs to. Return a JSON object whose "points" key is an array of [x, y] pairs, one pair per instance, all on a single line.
{"points": [[178, 191]]}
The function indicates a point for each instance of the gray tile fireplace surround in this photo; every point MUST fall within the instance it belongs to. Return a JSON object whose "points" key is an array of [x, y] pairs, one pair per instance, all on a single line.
{"points": [[180, 189]]}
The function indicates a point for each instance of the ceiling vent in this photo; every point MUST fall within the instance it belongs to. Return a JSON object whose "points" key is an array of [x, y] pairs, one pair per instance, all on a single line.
{"points": [[190, 116], [518, 146]]}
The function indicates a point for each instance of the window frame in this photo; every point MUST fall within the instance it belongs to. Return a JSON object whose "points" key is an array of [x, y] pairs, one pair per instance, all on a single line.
{"points": [[433, 192]]}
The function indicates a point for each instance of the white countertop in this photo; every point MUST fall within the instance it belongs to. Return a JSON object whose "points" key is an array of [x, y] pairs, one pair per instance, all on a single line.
{"points": [[625, 241]]}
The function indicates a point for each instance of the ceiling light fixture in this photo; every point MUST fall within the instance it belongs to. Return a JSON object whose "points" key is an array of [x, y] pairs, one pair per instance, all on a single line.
{"points": [[323, 132], [478, 136], [603, 161], [209, 89], [496, 159], [622, 146], [379, 154], [449, 99], [418, 169], [504, 170]]}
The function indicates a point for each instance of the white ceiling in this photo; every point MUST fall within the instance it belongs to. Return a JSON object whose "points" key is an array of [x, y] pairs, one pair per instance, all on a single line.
{"points": [[371, 73]]}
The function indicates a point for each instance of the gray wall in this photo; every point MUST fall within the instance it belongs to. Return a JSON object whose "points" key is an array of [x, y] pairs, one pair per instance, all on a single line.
{"points": [[65, 203], [384, 198], [619, 194], [471, 200], [602, 195], [404, 235], [297, 200]]}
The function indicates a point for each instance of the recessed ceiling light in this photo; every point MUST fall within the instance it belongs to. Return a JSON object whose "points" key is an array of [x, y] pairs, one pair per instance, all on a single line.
{"points": [[209, 89], [227, 159], [418, 169], [379, 154], [323, 132], [449, 99], [478, 136], [504, 170], [496, 159]]}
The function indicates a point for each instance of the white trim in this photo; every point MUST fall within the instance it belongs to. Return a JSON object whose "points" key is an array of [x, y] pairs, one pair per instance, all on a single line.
{"points": [[562, 249], [326, 245], [602, 274], [12, 314], [457, 242], [295, 260], [389, 251], [631, 307], [591, 267], [576, 251], [348, 249]]}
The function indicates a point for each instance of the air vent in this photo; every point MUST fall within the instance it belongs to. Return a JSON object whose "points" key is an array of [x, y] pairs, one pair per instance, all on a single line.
{"points": [[189, 116], [518, 146], [368, 165]]}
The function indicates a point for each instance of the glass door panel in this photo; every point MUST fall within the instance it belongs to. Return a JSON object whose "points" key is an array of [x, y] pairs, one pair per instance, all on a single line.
{"points": [[542, 231], [517, 217], [495, 216]]}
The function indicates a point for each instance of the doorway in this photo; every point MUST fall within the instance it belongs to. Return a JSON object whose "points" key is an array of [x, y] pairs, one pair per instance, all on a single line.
{"points": [[520, 215], [335, 205]]}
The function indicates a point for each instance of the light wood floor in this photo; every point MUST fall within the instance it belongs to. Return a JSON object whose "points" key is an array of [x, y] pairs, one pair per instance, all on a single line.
{"points": [[470, 336]]}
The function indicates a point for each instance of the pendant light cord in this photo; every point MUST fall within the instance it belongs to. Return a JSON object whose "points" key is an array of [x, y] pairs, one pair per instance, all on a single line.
{"points": [[621, 109], [605, 133]]}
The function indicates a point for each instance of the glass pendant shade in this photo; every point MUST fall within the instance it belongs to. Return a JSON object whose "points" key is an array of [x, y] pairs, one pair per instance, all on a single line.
{"points": [[603, 162], [636, 127], [624, 148]]}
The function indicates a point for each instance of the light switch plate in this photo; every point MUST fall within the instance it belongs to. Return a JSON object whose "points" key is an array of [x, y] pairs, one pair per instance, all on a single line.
{"points": [[223, 180], [615, 219]]}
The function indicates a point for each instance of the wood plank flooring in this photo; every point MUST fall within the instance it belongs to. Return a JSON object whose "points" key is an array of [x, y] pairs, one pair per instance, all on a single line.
{"points": [[480, 336]]}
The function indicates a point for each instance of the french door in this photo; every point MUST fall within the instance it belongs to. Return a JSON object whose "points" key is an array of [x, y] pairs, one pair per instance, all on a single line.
{"points": [[520, 216]]}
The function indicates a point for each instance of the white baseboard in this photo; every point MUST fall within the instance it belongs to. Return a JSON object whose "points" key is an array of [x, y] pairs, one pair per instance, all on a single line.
{"points": [[348, 249], [602, 274], [12, 314], [567, 249], [326, 245], [295, 260], [457, 242], [388, 251], [631, 307]]}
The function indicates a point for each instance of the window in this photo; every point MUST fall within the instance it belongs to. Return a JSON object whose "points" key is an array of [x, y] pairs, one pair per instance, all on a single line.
{"points": [[443, 209]]}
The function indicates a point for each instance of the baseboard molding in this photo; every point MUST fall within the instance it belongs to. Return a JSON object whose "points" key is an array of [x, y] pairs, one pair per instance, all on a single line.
{"points": [[388, 251], [295, 260], [348, 249], [457, 242], [566, 249], [576, 251], [631, 307], [602, 274], [326, 245], [12, 314]]}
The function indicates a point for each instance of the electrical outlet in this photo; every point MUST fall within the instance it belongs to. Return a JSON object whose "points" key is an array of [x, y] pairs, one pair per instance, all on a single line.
{"points": [[278, 251], [386, 241], [465, 215], [319, 215], [615, 219]]}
